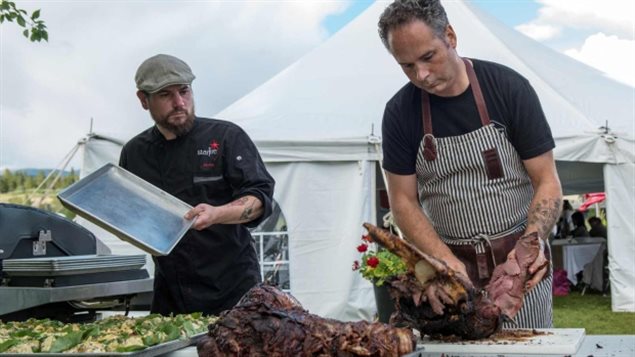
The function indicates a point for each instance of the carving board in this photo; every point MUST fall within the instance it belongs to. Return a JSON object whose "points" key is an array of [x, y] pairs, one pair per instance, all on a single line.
{"points": [[553, 341]]}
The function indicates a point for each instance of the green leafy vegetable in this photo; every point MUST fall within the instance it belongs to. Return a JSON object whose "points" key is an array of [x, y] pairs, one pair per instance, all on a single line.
{"points": [[8, 344], [66, 342]]}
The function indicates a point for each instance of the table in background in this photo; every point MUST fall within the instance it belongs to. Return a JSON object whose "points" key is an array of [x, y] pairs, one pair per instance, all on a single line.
{"points": [[576, 253]]}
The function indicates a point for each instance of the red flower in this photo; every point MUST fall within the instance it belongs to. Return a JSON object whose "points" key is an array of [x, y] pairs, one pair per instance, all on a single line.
{"points": [[372, 262], [355, 265], [366, 238], [362, 248]]}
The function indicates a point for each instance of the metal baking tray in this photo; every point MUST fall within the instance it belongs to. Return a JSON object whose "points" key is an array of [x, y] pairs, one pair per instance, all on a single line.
{"points": [[156, 350], [130, 208], [72, 265]]}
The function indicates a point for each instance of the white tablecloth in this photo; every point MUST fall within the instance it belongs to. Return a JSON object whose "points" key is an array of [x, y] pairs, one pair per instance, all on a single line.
{"points": [[576, 253], [575, 257]]}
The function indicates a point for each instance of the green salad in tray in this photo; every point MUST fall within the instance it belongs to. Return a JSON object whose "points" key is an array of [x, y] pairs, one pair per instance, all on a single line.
{"points": [[113, 334]]}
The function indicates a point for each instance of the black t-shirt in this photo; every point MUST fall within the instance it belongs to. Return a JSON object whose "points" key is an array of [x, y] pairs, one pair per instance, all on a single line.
{"points": [[512, 104], [215, 163]]}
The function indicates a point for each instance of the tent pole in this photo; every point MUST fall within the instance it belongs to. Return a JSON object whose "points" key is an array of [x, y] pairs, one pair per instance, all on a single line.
{"points": [[58, 171]]}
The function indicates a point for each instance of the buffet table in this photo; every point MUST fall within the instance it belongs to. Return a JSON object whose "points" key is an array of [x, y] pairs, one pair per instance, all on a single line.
{"points": [[576, 253], [592, 345]]}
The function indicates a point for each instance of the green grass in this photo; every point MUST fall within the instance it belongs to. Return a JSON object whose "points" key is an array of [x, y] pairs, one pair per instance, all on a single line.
{"points": [[593, 313]]}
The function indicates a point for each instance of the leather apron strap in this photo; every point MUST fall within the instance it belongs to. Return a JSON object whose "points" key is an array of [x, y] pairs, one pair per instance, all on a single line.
{"points": [[429, 141]]}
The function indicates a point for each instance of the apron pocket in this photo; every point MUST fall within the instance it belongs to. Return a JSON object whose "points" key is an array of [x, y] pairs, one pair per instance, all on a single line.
{"points": [[493, 165]]}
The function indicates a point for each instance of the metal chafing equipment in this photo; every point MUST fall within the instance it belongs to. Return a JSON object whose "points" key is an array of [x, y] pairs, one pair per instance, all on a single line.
{"points": [[49, 268]]}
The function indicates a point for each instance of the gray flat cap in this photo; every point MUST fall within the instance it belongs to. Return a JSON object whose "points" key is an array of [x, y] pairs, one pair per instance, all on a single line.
{"points": [[160, 71]]}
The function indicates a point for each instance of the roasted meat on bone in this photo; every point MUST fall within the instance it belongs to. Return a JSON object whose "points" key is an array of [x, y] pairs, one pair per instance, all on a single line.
{"points": [[466, 313], [268, 322]]}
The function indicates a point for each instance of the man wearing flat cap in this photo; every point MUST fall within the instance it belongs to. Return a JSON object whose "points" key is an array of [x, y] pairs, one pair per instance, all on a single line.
{"points": [[212, 165]]}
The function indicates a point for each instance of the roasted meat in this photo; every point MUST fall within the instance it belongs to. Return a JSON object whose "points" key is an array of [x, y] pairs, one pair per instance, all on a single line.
{"points": [[438, 301], [269, 322], [506, 288]]}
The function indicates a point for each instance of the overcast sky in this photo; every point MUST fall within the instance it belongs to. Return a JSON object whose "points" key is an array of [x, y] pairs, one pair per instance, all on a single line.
{"points": [[50, 91]]}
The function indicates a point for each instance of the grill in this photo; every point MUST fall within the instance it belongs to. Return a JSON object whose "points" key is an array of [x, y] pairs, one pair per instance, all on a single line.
{"points": [[49, 268]]}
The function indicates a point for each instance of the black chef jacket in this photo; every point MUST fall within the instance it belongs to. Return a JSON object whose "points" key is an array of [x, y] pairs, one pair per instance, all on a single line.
{"points": [[215, 163]]}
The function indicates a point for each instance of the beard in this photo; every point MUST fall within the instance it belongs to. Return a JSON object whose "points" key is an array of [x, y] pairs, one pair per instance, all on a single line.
{"points": [[178, 129]]}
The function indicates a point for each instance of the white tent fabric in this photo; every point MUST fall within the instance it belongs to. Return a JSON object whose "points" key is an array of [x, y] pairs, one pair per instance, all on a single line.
{"points": [[320, 199], [620, 185], [98, 150], [327, 105], [317, 123]]}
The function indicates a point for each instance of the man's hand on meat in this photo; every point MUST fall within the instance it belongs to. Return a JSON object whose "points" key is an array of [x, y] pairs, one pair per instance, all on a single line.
{"points": [[439, 293], [437, 296], [459, 269], [539, 268]]}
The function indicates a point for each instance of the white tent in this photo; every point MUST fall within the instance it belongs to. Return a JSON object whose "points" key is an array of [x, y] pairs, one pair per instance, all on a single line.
{"points": [[317, 126]]}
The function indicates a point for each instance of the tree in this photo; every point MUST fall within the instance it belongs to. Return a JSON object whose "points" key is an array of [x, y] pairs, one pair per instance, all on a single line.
{"points": [[10, 181], [34, 28]]}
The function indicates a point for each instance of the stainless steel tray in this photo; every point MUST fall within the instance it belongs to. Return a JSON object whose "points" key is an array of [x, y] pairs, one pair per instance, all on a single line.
{"points": [[72, 265], [130, 208], [148, 352]]}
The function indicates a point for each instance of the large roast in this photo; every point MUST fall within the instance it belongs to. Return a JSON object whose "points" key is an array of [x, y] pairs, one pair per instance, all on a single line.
{"points": [[437, 301], [269, 322]]}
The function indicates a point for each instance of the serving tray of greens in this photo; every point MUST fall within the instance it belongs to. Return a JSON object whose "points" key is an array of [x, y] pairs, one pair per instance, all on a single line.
{"points": [[150, 335]]}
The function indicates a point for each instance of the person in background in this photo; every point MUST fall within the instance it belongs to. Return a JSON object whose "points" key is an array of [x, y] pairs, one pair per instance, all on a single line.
{"points": [[468, 156], [565, 224], [579, 229], [597, 228], [213, 166]]}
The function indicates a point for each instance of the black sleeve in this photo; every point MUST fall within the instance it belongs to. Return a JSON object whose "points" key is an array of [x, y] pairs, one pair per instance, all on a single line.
{"points": [[399, 139], [246, 172], [530, 133], [123, 162]]}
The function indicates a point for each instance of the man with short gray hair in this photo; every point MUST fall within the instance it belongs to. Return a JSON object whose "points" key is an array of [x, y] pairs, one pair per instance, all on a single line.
{"points": [[467, 154], [212, 165]]}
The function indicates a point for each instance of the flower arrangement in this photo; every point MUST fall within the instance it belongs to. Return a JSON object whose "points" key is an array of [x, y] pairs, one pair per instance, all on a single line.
{"points": [[377, 265]]}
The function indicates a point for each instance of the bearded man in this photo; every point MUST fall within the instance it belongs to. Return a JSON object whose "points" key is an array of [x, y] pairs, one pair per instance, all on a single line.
{"points": [[213, 166]]}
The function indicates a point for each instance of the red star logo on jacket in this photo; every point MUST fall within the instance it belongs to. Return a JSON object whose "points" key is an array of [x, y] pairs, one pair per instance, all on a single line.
{"points": [[214, 145]]}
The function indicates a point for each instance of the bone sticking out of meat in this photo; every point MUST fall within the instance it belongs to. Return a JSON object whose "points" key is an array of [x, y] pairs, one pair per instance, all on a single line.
{"points": [[269, 322], [433, 298], [506, 288], [425, 267]]}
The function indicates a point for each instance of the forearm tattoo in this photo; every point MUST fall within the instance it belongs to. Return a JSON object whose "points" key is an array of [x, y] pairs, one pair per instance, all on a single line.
{"points": [[246, 215], [248, 211], [239, 202], [543, 215]]}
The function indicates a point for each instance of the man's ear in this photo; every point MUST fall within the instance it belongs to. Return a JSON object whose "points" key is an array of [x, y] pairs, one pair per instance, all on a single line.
{"points": [[143, 98], [450, 36]]}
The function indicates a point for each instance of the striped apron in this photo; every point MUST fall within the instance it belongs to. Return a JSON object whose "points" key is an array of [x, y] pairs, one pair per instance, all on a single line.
{"points": [[474, 188]]}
